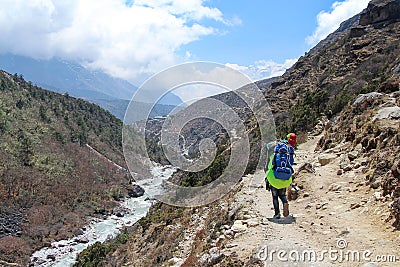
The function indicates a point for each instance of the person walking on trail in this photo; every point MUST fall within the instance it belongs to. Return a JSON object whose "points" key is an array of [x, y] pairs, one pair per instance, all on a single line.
{"points": [[280, 171]]}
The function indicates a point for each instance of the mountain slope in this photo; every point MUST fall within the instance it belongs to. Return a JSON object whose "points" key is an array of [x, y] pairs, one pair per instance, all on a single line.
{"points": [[363, 57], [50, 180], [112, 94], [64, 76]]}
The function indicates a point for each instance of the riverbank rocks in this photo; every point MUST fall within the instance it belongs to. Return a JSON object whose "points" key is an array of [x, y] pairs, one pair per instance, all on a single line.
{"points": [[10, 223], [51, 257], [82, 240], [135, 190]]}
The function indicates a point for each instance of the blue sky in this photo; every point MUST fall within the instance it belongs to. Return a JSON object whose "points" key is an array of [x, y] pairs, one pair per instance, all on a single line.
{"points": [[269, 30], [136, 38]]}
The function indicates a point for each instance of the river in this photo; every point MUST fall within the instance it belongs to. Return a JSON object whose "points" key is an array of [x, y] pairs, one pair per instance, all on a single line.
{"points": [[63, 253]]}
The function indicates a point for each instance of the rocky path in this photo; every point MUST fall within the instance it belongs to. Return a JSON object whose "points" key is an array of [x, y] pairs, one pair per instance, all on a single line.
{"points": [[336, 216]]}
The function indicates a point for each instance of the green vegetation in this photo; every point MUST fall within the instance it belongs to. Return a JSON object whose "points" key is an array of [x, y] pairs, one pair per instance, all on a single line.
{"points": [[98, 251], [206, 176], [161, 214], [308, 109]]}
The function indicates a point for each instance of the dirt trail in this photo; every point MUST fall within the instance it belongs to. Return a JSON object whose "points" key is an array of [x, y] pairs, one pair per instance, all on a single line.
{"points": [[333, 213]]}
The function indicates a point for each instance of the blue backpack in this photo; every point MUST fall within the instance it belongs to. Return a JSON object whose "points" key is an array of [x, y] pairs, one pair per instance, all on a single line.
{"points": [[283, 161]]}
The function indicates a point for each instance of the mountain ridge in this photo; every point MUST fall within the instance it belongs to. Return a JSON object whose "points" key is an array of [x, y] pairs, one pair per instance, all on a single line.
{"points": [[63, 76]]}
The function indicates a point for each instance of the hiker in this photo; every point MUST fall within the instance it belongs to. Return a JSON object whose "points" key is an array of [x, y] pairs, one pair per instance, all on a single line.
{"points": [[280, 171]]}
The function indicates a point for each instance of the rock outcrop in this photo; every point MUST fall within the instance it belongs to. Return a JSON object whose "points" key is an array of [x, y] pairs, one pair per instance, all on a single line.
{"points": [[371, 126], [381, 11]]}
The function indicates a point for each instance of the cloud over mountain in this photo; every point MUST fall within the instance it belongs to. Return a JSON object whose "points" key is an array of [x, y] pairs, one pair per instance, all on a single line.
{"points": [[123, 38]]}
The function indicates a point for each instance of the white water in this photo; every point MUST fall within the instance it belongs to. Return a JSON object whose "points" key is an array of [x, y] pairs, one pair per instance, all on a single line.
{"points": [[66, 251]]}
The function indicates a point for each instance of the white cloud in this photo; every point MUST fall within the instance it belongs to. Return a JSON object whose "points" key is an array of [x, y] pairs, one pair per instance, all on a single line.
{"points": [[220, 79], [264, 69], [192, 81], [124, 40], [328, 22]]}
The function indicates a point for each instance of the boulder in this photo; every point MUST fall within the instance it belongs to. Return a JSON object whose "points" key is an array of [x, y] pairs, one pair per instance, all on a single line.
{"points": [[231, 245], [354, 206], [347, 167], [82, 240], [388, 113], [51, 257], [120, 214], [135, 191]]}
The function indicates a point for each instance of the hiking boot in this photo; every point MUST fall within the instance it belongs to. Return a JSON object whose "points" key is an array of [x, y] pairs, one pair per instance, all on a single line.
{"points": [[285, 209], [277, 216]]}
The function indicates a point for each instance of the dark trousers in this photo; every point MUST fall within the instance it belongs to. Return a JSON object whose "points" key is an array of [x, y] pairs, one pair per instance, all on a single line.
{"points": [[281, 193]]}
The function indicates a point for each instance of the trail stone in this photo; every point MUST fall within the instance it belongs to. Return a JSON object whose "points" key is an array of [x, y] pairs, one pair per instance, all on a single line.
{"points": [[247, 216], [334, 187], [238, 227], [231, 245], [378, 196], [376, 184], [353, 155], [252, 222], [347, 167]]}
